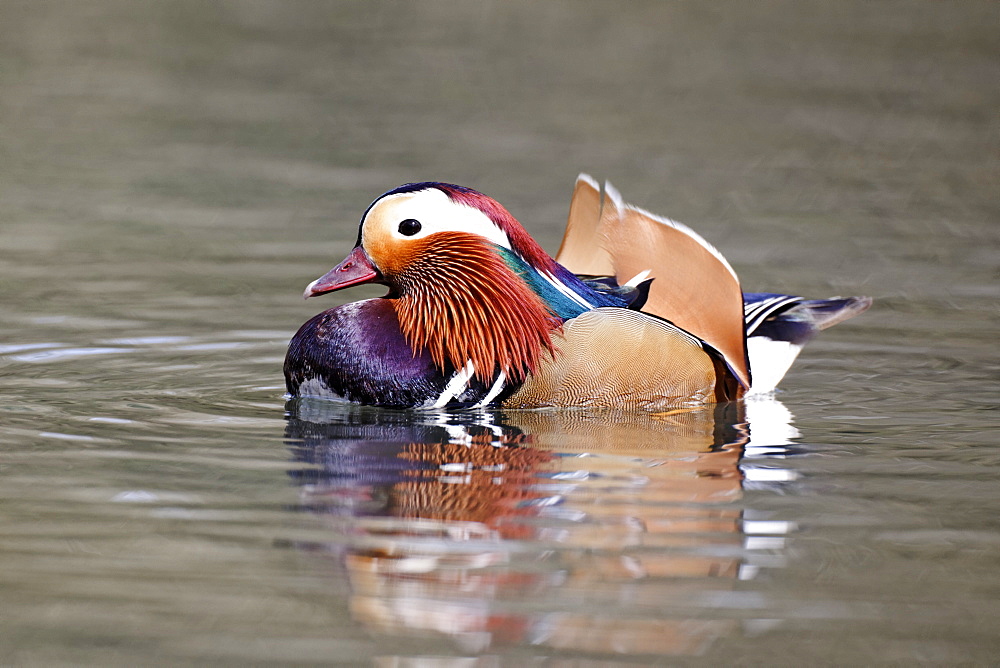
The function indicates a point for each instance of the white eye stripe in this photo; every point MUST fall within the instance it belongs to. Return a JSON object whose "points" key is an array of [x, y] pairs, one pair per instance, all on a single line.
{"points": [[435, 211]]}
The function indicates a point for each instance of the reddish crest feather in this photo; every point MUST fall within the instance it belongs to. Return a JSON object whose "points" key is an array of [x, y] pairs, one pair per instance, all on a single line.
{"points": [[460, 302], [520, 241]]}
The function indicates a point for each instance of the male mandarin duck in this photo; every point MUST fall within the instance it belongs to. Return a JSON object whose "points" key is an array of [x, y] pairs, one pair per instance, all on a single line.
{"points": [[636, 312]]}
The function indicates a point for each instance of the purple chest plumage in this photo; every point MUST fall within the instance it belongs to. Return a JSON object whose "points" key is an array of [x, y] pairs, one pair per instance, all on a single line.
{"points": [[357, 352]]}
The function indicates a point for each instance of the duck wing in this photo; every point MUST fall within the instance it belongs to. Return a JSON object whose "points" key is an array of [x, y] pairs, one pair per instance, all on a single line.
{"points": [[694, 287], [580, 251]]}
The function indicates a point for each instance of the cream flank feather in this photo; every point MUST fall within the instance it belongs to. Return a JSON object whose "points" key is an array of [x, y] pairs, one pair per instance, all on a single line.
{"points": [[676, 372], [693, 287]]}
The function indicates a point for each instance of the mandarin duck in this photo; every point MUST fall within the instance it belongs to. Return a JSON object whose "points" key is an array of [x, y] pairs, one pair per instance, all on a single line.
{"points": [[636, 312]]}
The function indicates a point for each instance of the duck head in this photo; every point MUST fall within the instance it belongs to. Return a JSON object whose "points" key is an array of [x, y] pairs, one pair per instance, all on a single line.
{"points": [[461, 272]]}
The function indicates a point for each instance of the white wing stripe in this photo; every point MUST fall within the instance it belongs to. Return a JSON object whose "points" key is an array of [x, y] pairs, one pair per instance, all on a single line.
{"points": [[497, 388], [456, 385]]}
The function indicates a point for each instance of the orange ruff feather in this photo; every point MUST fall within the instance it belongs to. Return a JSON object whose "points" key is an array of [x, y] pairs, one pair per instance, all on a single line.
{"points": [[459, 300]]}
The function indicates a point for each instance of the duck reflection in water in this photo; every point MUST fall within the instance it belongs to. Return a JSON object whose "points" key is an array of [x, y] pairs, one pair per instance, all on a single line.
{"points": [[563, 530]]}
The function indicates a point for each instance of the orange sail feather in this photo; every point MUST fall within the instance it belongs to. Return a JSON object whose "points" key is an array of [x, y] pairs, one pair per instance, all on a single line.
{"points": [[694, 286]]}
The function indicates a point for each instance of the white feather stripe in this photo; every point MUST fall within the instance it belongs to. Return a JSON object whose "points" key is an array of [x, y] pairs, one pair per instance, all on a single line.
{"points": [[456, 385], [752, 308], [637, 279], [566, 290], [495, 390], [763, 310]]}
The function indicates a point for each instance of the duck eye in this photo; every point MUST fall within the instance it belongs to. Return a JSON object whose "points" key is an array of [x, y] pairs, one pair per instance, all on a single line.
{"points": [[409, 227]]}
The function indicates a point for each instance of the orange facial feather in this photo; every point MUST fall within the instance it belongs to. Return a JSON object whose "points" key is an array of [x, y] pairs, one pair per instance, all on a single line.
{"points": [[458, 300]]}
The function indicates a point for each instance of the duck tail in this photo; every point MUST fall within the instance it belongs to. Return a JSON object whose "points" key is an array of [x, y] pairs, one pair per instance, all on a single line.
{"points": [[778, 326]]}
